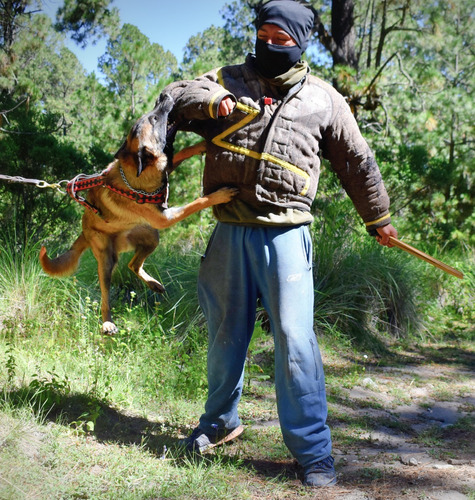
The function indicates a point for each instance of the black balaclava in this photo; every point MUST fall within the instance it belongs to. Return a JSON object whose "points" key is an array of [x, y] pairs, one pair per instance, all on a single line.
{"points": [[296, 20]]}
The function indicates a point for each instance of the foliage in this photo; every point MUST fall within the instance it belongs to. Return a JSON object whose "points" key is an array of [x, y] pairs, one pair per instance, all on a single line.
{"points": [[87, 19], [428, 137], [239, 28], [361, 291], [408, 76], [135, 71], [212, 42]]}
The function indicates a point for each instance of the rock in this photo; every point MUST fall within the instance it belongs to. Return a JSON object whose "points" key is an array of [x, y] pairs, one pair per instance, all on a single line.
{"points": [[369, 383], [454, 461], [448, 495], [419, 392], [442, 466], [407, 460]]}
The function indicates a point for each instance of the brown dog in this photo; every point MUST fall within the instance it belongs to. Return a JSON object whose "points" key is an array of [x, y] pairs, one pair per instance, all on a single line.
{"points": [[127, 205]]}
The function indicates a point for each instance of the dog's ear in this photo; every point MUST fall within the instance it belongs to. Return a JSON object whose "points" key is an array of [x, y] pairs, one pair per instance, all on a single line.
{"points": [[164, 103], [172, 129]]}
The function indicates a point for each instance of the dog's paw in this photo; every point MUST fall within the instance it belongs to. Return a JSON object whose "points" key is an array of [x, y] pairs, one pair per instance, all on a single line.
{"points": [[108, 328], [224, 194], [155, 286]]}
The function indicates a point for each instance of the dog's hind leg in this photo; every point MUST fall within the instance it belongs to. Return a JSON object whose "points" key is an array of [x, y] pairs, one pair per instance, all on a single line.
{"points": [[106, 261], [145, 240], [136, 265]]}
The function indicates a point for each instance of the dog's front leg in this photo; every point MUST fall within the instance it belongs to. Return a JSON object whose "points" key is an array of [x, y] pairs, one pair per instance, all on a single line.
{"points": [[188, 152], [171, 216]]}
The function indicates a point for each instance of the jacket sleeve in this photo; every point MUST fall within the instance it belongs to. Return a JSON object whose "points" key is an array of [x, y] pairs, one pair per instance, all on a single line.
{"points": [[354, 163], [197, 99]]}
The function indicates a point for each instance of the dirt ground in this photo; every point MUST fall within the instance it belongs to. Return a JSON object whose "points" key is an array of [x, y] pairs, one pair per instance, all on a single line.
{"points": [[428, 454], [420, 440]]}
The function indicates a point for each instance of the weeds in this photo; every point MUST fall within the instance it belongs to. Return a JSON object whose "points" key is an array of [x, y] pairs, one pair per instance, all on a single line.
{"points": [[10, 363]]}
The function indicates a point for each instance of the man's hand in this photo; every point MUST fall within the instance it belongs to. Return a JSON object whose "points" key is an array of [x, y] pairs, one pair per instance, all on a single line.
{"points": [[384, 233], [226, 107]]}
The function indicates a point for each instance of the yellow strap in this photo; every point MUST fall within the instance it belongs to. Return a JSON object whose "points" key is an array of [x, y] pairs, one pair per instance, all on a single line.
{"points": [[251, 113], [378, 220]]}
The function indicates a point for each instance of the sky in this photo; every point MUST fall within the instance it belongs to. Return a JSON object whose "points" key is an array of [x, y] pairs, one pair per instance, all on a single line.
{"points": [[170, 23]]}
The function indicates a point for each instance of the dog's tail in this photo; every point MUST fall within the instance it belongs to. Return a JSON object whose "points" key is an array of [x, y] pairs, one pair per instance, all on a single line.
{"points": [[67, 263]]}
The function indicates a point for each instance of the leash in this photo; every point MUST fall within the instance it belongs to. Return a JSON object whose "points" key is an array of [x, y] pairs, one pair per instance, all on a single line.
{"points": [[83, 182], [36, 182]]}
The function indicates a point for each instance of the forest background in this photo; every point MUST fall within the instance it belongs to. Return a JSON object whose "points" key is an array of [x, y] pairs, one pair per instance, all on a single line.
{"points": [[407, 70]]}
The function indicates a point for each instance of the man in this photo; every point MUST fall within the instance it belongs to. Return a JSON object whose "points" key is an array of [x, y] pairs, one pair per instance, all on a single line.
{"points": [[265, 122]]}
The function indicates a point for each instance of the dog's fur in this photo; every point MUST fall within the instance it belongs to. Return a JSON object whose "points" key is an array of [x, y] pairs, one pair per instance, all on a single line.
{"points": [[125, 225]]}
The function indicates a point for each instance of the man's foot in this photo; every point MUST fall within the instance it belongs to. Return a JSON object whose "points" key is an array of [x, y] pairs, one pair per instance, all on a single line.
{"points": [[198, 441], [321, 473]]}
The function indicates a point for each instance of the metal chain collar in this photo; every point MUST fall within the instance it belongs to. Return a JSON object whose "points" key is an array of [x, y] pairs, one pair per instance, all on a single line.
{"points": [[139, 191]]}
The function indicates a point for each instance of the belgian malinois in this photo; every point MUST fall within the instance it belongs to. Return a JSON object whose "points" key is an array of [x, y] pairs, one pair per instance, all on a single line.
{"points": [[128, 206]]}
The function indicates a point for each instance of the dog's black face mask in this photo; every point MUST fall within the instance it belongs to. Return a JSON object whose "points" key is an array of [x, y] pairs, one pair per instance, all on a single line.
{"points": [[158, 119]]}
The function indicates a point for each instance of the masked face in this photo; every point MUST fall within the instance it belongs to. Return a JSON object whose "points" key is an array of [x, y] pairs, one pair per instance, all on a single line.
{"points": [[273, 60], [276, 51]]}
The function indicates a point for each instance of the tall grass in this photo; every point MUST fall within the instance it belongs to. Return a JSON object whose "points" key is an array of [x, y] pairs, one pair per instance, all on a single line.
{"points": [[50, 332], [362, 290], [29, 304], [52, 346]]}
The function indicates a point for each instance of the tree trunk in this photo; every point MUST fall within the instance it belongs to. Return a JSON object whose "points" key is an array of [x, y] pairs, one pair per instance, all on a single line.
{"points": [[343, 33]]}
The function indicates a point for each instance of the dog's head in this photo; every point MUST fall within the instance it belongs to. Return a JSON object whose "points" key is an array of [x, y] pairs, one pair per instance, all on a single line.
{"points": [[146, 142]]}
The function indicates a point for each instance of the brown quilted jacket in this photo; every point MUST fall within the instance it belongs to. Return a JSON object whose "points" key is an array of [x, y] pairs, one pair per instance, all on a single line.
{"points": [[269, 146]]}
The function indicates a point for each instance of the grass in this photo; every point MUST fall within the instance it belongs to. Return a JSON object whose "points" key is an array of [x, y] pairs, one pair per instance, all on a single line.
{"points": [[85, 416], [62, 435], [67, 465]]}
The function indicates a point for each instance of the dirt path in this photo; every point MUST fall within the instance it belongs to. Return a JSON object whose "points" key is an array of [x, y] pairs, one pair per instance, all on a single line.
{"points": [[402, 425], [402, 428], [419, 441]]}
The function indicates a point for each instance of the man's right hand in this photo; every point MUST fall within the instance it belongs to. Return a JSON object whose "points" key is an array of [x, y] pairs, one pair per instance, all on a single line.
{"points": [[384, 233], [226, 107]]}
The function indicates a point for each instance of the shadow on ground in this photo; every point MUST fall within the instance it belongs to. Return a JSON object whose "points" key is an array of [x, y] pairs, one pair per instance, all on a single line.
{"points": [[89, 415]]}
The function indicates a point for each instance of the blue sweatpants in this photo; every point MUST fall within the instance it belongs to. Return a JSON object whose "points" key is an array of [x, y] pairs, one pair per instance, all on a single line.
{"points": [[274, 264]]}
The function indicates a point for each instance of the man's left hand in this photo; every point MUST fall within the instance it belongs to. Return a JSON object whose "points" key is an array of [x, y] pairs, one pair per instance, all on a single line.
{"points": [[384, 233]]}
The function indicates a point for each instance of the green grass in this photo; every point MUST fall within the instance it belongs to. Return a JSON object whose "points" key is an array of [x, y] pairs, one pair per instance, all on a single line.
{"points": [[87, 416]]}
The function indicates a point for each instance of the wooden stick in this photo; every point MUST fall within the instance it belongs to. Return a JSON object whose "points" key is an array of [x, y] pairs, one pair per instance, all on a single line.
{"points": [[421, 255]]}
